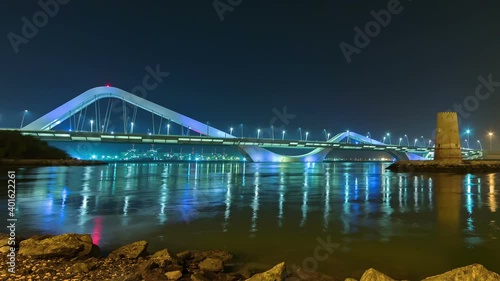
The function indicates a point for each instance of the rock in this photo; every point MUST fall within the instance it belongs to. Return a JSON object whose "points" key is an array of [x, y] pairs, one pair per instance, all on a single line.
{"points": [[173, 275], [4, 250], [66, 245], [147, 265], [79, 267], [277, 273], [165, 257], [155, 274], [350, 279], [225, 256], [184, 255], [211, 264], [374, 275], [471, 272], [199, 277], [130, 251]]}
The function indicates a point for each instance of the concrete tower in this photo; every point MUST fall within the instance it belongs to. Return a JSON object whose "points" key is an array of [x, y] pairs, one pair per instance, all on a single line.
{"points": [[447, 137]]}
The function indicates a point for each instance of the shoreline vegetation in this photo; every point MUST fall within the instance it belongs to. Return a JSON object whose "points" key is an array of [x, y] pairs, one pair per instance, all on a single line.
{"points": [[74, 257], [17, 150], [445, 166]]}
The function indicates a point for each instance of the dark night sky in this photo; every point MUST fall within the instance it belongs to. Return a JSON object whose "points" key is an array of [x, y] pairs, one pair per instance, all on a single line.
{"points": [[264, 55]]}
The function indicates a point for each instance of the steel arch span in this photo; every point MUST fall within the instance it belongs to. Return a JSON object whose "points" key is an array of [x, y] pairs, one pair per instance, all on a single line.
{"points": [[259, 154], [65, 111]]}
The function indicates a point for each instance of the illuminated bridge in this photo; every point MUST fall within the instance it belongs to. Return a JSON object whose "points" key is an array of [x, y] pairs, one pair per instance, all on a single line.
{"points": [[74, 112]]}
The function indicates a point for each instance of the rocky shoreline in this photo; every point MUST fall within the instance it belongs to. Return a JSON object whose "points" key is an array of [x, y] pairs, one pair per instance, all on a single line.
{"points": [[436, 166], [74, 257], [48, 162]]}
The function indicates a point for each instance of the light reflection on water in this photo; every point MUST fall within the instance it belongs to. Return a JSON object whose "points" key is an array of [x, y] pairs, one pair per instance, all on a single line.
{"points": [[410, 225]]}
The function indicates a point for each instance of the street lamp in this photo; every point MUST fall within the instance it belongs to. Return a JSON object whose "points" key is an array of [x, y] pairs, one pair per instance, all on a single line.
{"points": [[490, 134], [400, 139], [389, 137], [258, 133], [430, 143], [324, 130], [307, 133], [383, 140], [168, 129], [368, 135], [22, 120], [272, 131], [300, 133], [131, 126], [91, 125], [407, 140], [231, 130], [327, 136], [348, 135], [283, 138], [480, 146], [468, 135], [415, 143]]}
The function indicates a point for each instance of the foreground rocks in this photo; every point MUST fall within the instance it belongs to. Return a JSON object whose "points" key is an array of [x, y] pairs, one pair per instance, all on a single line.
{"points": [[74, 257], [448, 166]]}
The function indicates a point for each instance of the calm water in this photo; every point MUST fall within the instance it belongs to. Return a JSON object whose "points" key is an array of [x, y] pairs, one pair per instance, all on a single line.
{"points": [[407, 225]]}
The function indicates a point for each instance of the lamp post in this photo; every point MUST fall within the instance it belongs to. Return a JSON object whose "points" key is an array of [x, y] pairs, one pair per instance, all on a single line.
{"points": [[22, 120], [231, 130], [383, 140], [258, 133], [131, 126], [307, 133], [480, 146], [468, 135], [430, 143], [407, 140], [400, 139], [490, 134], [168, 129], [272, 131], [91, 125], [283, 138], [348, 135], [389, 137], [368, 135], [327, 136], [415, 142], [300, 133], [324, 130]]}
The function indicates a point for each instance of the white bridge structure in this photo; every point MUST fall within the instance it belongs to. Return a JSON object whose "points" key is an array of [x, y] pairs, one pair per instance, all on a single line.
{"points": [[253, 148]]}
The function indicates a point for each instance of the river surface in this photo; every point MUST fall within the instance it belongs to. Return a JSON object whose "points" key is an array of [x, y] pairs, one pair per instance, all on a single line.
{"points": [[336, 218]]}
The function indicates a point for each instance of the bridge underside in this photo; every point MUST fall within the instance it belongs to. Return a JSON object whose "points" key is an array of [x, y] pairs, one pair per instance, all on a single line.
{"points": [[259, 154]]}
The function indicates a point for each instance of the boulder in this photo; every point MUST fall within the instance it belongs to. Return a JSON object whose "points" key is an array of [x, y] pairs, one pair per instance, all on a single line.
{"points": [[66, 245], [277, 273], [471, 272], [130, 251], [225, 256], [165, 257], [173, 275], [374, 275], [305, 275], [211, 264]]}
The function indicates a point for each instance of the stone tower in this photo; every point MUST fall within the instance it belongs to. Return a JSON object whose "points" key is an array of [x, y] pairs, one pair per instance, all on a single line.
{"points": [[447, 137]]}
